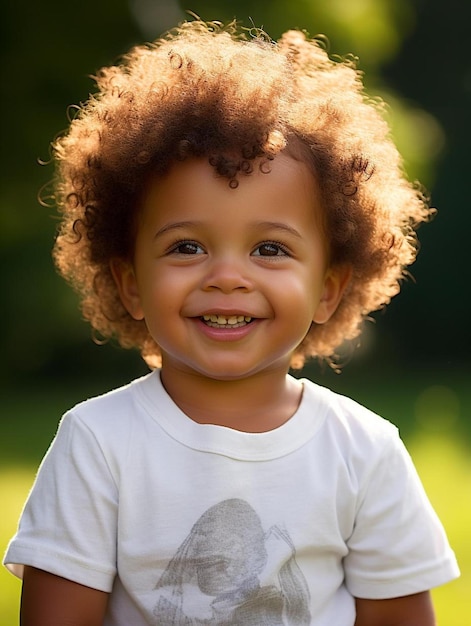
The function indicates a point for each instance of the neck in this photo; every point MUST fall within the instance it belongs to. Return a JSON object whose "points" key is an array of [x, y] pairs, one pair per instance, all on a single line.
{"points": [[256, 404]]}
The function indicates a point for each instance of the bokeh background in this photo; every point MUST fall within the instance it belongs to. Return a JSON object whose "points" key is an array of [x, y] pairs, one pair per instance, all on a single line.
{"points": [[412, 365]]}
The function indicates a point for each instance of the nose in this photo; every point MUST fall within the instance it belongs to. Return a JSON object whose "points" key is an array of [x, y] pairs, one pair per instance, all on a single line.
{"points": [[227, 275]]}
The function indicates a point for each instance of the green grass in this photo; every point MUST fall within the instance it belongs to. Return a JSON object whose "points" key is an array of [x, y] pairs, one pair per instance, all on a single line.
{"points": [[15, 483], [440, 447], [445, 468]]}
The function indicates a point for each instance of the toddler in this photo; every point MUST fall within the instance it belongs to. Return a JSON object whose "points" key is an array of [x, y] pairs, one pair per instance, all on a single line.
{"points": [[230, 206]]}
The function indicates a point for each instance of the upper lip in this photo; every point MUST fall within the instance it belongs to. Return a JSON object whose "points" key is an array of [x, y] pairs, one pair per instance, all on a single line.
{"points": [[226, 313]]}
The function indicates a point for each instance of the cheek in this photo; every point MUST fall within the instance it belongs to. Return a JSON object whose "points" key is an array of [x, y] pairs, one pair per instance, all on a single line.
{"points": [[163, 296], [155, 286], [301, 292]]}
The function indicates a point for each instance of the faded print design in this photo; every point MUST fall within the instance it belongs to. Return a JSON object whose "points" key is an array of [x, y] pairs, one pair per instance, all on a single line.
{"points": [[224, 574]]}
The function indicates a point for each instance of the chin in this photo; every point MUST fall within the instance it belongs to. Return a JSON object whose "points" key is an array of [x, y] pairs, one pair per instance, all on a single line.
{"points": [[232, 373]]}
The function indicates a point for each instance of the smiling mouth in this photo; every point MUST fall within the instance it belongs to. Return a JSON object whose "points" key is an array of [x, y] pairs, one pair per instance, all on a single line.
{"points": [[224, 321]]}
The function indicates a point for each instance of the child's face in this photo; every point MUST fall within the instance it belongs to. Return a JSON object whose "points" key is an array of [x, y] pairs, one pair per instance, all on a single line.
{"points": [[230, 280]]}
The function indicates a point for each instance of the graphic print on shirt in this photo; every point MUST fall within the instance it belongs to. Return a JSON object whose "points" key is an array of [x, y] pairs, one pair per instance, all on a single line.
{"points": [[224, 574]]}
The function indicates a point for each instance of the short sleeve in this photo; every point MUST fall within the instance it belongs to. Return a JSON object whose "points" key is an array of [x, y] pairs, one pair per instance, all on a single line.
{"points": [[398, 546], [69, 523]]}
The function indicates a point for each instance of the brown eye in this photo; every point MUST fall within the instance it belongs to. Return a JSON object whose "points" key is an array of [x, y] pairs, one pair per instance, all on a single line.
{"points": [[187, 247], [269, 249]]}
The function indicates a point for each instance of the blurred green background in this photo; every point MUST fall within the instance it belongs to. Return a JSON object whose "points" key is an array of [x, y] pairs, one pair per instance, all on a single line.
{"points": [[413, 362]]}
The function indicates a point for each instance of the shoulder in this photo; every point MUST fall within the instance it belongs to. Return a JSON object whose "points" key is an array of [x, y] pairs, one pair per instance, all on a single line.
{"points": [[352, 434], [346, 415], [109, 420], [113, 407], [100, 431]]}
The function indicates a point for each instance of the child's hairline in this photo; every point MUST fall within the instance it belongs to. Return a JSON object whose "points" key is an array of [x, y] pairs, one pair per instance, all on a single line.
{"points": [[295, 148]]}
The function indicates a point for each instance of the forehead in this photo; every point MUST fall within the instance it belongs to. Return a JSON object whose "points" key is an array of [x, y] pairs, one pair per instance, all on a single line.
{"points": [[282, 187]]}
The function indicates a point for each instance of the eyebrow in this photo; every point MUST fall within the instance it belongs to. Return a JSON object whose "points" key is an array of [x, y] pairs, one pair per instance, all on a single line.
{"points": [[286, 228], [281, 226], [175, 226]]}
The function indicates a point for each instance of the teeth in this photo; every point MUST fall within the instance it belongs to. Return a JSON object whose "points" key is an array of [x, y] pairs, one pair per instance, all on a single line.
{"points": [[223, 320]]}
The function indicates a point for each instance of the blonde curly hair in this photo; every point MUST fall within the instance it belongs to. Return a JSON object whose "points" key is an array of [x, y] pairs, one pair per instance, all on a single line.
{"points": [[213, 90]]}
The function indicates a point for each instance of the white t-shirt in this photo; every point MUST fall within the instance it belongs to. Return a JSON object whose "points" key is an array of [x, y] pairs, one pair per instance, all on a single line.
{"points": [[187, 523]]}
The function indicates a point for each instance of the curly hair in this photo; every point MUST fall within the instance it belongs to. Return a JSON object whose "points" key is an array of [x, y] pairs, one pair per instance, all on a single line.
{"points": [[216, 91]]}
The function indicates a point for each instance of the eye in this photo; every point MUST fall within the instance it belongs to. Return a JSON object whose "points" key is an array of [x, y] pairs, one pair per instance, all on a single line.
{"points": [[186, 247], [270, 249]]}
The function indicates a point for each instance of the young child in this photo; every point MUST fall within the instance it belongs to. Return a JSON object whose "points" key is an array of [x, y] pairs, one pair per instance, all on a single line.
{"points": [[231, 206]]}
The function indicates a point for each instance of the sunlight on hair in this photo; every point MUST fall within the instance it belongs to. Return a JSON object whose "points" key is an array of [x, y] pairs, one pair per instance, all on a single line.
{"points": [[206, 89]]}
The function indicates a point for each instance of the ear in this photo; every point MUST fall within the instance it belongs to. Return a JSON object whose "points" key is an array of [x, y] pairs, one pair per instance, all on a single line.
{"points": [[125, 279], [335, 283]]}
